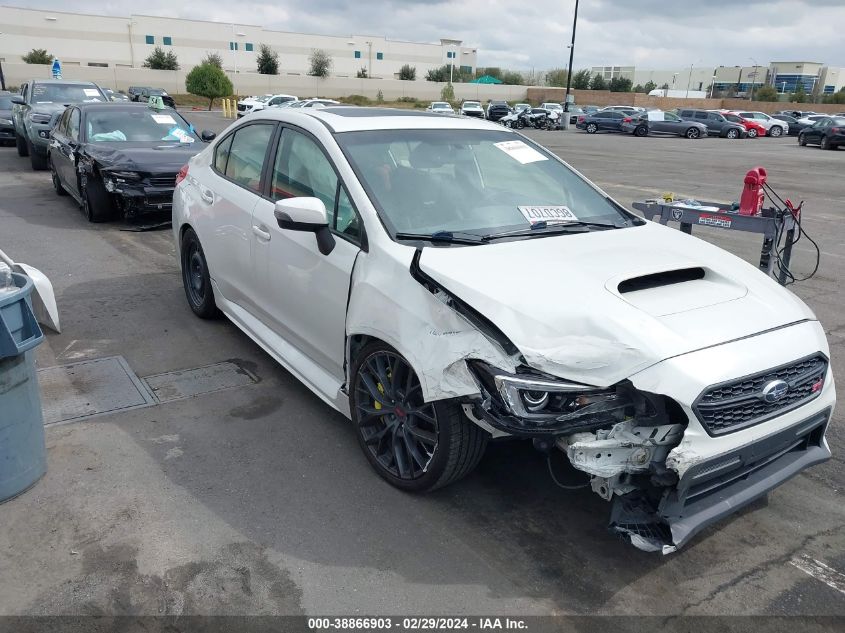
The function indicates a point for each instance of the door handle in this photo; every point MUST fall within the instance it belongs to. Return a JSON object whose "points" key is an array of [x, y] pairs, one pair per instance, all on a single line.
{"points": [[261, 232], [207, 195]]}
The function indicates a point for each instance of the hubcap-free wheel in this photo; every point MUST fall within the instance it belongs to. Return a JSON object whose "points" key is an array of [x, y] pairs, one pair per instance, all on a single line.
{"points": [[775, 131], [399, 430], [732, 134], [752, 133], [801, 140], [825, 143], [592, 128], [693, 132], [196, 278]]}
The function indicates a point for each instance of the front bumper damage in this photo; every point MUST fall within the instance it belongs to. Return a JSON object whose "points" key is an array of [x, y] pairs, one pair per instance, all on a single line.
{"points": [[135, 198]]}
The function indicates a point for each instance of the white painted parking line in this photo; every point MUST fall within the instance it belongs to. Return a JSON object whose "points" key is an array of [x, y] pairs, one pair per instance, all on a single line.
{"points": [[820, 571]]}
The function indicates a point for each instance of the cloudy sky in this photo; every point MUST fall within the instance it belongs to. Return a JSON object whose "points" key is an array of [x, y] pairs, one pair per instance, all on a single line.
{"points": [[525, 34]]}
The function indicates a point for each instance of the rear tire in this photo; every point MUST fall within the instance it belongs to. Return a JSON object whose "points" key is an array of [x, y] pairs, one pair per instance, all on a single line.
{"points": [[196, 278], [752, 133], [97, 204], [413, 445], [54, 176], [592, 128], [641, 130], [776, 131], [825, 143], [20, 143]]}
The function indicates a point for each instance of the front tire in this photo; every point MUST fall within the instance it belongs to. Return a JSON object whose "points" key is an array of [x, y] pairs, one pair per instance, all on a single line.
{"points": [[20, 143], [592, 128], [38, 161], [732, 134], [97, 204], [693, 132], [802, 141], [414, 445], [54, 176], [196, 278]]}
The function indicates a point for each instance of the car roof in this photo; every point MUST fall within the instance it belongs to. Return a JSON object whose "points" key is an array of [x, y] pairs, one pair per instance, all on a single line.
{"points": [[120, 105], [64, 82], [356, 119]]}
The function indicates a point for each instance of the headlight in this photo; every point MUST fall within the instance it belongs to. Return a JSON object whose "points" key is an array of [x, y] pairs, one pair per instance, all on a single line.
{"points": [[539, 404], [5, 121], [42, 119]]}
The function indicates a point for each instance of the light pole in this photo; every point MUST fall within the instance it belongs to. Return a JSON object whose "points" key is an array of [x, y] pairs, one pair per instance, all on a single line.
{"points": [[571, 55], [753, 79], [674, 77], [2, 78], [689, 79], [369, 59], [782, 87]]}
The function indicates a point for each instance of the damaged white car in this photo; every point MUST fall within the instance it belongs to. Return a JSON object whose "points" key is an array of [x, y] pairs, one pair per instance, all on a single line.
{"points": [[445, 281]]}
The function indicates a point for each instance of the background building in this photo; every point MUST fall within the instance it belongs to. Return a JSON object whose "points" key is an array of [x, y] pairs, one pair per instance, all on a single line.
{"points": [[115, 42]]}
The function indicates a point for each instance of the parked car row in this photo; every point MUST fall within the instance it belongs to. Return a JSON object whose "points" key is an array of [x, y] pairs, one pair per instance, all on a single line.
{"points": [[114, 158], [142, 94]]}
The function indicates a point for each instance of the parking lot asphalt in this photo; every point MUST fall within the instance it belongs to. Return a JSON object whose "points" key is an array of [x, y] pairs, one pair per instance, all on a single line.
{"points": [[257, 500]]}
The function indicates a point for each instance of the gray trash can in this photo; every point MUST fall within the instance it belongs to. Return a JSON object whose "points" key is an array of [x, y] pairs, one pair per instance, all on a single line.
{"points": [[23, 456]]}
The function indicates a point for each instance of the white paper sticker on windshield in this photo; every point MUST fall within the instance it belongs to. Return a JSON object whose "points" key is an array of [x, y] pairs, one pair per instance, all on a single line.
{"points": [[91, 92], [549, 215], [521, 152], [163, 119]]}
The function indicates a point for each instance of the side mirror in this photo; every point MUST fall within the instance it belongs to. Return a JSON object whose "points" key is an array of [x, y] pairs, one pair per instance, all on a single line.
{"points": [[18, 99], [309, 215], [207, 136]]}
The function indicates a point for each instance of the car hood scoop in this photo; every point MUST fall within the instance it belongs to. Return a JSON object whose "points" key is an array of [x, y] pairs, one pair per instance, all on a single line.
{"points": [[598, 307]]}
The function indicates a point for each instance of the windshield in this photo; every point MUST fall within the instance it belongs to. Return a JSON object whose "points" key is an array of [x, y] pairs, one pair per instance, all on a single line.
{"points": [[473, 181], [65, 93], [138, 125], [263, 99]]}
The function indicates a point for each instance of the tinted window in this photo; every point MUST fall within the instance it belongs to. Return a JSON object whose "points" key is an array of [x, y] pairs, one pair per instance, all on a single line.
{"points": [[73, 125], [246, 155], [700, 115], [221, 154], [686, 113], [715, 117]]}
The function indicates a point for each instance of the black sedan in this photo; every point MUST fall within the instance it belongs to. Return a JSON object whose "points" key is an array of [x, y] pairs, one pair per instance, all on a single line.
{"points": [[146, 93], [603, 120], [827, 133], [120, 158], [794, 126]]}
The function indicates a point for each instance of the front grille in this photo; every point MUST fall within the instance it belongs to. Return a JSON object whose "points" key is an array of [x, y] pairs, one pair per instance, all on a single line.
{"points": [[737, 404], [163, 180]]}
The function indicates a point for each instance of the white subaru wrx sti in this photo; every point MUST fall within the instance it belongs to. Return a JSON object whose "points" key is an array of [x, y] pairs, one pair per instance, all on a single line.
{"points": [[444, 281]]}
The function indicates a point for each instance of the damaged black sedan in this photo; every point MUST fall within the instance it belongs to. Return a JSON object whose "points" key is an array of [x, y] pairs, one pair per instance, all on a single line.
{"points": [[120, 160]]}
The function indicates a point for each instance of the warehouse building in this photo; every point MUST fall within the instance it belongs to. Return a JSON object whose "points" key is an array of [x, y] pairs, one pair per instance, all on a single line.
{"points": [[125, 42]]}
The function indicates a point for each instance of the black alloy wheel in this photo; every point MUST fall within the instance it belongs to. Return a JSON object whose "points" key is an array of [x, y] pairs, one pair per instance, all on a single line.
{"points": [[693, 132], [641, 130], [825, 143], [415, 445]]}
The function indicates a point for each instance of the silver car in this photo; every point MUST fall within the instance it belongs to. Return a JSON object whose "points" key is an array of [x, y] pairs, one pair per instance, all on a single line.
{"points": [[659, 122]]}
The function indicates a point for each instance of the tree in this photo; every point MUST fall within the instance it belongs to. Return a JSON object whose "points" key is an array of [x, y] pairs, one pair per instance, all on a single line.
{"points": [[649, 86], [598, 83], [836, 97], [207, 80], [38, 56], [214, 59], [512, 78], [766, 93], [800, 95], [620, 84], [447, 93], [320, 63], [362, 74], [408, 73], [581, 80], [159, 60], [379, 96], [493, 71], [267, 61], [557, 77], [445, 74]]}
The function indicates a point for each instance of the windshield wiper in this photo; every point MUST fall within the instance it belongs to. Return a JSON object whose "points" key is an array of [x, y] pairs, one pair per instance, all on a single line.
{"points": [[543, 228], [449, 237]]}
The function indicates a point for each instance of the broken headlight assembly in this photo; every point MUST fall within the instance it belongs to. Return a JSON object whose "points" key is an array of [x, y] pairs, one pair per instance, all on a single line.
{"points": [[531, 404], [114, 180]]}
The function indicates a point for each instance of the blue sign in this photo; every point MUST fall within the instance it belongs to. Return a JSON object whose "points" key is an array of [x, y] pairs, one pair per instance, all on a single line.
{"points": [[57, 69]]}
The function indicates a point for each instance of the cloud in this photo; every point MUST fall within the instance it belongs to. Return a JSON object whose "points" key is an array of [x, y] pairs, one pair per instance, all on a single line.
{"points": [[651, 34]]}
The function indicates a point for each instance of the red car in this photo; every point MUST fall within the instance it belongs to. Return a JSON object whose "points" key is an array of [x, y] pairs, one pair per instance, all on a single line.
{"points": [[754, 128]]}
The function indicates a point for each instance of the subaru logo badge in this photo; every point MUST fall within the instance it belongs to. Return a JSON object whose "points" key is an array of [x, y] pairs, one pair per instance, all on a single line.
{"points": [[775, 390]]}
